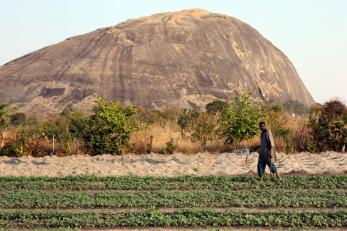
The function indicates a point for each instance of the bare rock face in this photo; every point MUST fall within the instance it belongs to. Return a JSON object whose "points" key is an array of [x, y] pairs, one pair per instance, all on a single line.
{"points": [[183, 59]]}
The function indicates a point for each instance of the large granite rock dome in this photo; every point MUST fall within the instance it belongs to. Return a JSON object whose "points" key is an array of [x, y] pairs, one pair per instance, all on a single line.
{"points": [[183, 59]]}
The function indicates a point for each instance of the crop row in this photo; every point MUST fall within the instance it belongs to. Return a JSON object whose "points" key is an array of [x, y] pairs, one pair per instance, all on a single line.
{"points": [[114, 199], [220, 183], [187, 217]]}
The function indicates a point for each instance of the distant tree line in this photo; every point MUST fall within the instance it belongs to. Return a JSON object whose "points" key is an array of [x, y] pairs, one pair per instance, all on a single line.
{"points": [[110, 126]]}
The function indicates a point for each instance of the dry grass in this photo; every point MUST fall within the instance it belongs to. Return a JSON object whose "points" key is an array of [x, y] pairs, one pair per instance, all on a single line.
{"points": [[162, 133]]}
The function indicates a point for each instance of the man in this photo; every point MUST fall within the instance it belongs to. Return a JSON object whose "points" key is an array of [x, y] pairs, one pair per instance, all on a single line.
{"points": [[266, 153]]}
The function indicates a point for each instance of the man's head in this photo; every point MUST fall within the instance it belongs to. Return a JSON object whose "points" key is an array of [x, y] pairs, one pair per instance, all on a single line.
{"points": [[262, 126]]}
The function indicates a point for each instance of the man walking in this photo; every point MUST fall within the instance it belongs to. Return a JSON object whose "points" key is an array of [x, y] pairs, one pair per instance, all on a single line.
{"points": [[266, 153]]}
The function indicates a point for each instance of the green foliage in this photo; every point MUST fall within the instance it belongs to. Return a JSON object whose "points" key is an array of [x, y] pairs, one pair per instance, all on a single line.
{"points": [[203, 127], [278, 122], [17, 118], [108, 129], [285, 133], [185, 119], [240, 120], [182, 183], [170, 147], [329, 130], [91, 202], [174, 199], [277, 108], [5, 110], [183, 218], [216, 106]]}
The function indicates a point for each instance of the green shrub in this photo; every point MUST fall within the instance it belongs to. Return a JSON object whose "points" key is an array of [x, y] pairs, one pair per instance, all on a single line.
{"points": [[203, 127], [17, 118], [241, 119], [5, 110], [108, 129], [216, 106], [185, 119], [170, 147]]}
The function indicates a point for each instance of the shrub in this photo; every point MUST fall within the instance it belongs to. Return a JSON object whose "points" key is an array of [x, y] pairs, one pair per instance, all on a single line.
{"points": [[203, 128], [240, 120], [170, 147], [334, 109], [328, 128], [108, 129], [17, 118], [185, 119], [216, 106], [25, 142], [5, 110]]}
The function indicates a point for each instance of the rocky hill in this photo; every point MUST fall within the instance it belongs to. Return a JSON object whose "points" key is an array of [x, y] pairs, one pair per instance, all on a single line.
{"points": [[183, 59]]}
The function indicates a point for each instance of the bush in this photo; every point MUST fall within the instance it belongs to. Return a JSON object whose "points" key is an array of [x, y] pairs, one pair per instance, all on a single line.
{"points": [[26, 142], [203, 128], [17, 118], [328, 128], [216, 106], [5, 110], [108, 129], [240, 120], [170, 147], [185, 119]]}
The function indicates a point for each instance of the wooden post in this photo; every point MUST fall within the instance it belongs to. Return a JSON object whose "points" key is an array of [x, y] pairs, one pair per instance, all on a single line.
{"points": [[53, 144]]}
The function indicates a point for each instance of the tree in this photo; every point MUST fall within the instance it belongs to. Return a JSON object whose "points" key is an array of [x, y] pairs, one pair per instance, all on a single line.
{"points": [[108, 129], [328, 128], [240, 120]]}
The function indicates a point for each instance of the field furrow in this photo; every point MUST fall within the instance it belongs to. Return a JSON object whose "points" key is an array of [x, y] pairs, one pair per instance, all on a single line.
{"points": [[219, 183], [114, 199], [187, 217], [191, 202]]}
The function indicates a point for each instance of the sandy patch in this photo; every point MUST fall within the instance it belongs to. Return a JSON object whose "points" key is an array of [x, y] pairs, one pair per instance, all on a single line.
{"points": [[331, 163]]}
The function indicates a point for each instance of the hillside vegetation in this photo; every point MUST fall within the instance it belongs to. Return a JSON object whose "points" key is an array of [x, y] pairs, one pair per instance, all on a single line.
{"points": [[114, 128]]}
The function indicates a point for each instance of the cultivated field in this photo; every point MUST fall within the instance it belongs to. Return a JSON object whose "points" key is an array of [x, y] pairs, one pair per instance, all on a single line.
{"points": [[193, 202]]}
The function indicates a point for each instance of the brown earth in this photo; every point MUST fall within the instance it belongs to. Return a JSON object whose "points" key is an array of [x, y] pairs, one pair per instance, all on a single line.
{"points": [[183, 59]]}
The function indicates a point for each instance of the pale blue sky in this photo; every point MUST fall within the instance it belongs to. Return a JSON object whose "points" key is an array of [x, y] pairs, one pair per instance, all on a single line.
{"points": [[312, 33]]}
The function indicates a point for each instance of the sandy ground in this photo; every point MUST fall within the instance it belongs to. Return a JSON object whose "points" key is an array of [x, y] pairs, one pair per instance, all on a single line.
{"points": [[331, 163]]}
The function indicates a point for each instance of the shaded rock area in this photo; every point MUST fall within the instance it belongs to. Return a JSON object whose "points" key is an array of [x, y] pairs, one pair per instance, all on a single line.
{"points": [[182, 59]]}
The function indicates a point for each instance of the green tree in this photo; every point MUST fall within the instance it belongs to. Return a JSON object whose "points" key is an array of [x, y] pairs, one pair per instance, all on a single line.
{"points": [[109, 128], [240, 120]]}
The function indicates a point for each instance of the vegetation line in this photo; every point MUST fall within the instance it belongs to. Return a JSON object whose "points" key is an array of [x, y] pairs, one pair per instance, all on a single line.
{"points": [[187, 217]]}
